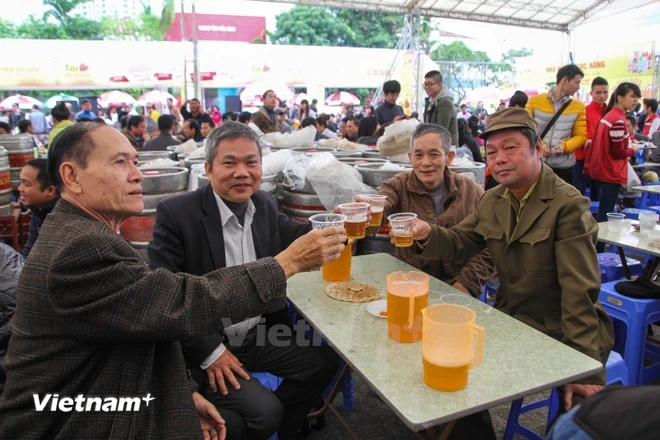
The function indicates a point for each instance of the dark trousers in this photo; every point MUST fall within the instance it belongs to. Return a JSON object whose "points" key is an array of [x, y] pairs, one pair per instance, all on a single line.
{"points": [[565, 174], [580, 181], [606, 194], [477, 426], [307, 371]]}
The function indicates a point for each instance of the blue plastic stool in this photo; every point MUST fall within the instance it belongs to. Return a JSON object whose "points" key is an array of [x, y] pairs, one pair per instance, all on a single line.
{"points": [[484, 293], [647, 198], [615, 371], [271, 382], [633, 213], [610, 263], [636, 315], [655, 209], [594, 207]]}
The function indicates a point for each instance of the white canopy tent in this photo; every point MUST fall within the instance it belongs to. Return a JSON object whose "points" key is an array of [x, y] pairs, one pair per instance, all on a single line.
{"points": [[557, 15]]}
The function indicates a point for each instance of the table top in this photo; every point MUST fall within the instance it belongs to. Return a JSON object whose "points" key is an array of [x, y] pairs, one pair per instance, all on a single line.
{"points": [[518, 360], [647, 165], [628, 238], [654, 189]]}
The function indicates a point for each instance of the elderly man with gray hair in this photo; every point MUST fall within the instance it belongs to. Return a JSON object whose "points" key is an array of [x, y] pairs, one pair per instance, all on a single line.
{"points": [[94, 325], [226, 223], [440, 197]]}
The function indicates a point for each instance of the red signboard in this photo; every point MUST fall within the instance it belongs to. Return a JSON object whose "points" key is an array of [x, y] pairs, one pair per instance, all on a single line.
{"points": [[219, 28]]}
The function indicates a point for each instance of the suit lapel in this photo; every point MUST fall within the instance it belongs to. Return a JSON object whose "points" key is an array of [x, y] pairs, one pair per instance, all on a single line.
{"points": [[504, 214], [260, 232], [213, 227], [535, 206], [533, 210]]}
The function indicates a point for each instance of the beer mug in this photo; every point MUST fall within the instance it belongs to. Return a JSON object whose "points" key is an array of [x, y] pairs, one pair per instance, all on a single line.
{"points": [[449, 333], [407, 295], [356, 219], [340, 269], [402, 228]]}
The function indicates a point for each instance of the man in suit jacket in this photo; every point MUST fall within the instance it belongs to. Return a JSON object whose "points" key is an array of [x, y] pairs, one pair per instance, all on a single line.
{"points": [[542, 239], [164, 139], [93, 320], [265, 118], [228, 222]]}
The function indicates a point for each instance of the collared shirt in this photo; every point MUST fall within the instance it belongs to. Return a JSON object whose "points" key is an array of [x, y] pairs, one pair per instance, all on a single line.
{"points": [[518, 206], [559, 103], [239, 249]]}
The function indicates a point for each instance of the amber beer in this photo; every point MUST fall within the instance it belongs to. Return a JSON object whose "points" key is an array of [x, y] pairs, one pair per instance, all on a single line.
{"points": [[340, 269], [445, 378], [376, 215], [355, 230], [397, 317], [403, 239]]}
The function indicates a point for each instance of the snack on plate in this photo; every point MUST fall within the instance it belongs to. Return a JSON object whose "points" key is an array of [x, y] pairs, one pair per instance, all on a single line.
{"points": [[655, 243], [352, 292]]}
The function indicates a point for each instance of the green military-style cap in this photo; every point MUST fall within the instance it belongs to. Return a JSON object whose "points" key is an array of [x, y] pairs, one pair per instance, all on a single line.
{"points": [[512, 117]]}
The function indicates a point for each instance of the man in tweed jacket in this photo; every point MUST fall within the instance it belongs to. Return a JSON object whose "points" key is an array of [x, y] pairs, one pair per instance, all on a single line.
{"points": [[92, 320]]}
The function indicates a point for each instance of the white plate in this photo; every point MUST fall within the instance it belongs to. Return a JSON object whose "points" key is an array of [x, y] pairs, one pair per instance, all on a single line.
{"points": [[376, 307]]}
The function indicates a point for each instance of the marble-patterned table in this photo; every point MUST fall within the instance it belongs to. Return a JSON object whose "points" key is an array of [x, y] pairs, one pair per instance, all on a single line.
{"points": [[624, 236], [518, 360]]}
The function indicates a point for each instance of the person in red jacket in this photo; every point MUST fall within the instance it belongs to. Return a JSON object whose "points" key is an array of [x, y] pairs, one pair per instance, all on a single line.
{"points": [[607, 157], [594, 111]]}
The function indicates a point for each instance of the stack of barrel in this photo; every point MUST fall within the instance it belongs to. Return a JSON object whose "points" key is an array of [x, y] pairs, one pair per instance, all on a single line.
{"points": [[5, 184], [158, 184], [20, 149]]}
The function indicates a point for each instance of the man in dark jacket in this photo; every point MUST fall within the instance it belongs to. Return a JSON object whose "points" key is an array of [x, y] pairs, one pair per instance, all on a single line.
{"points": [[229, 222], [165, 138], [94, 324], [38, 193], [439, 106], [11, 264]]}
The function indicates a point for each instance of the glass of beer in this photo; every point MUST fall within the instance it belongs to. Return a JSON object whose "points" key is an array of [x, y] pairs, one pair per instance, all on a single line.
{"points": [[377, 203], [452, 344], [356, 219], [340, 269], [402, 228]]}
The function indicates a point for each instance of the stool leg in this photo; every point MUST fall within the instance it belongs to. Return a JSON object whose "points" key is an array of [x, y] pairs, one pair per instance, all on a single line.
{"points": [[634, 351], [512, 420]]}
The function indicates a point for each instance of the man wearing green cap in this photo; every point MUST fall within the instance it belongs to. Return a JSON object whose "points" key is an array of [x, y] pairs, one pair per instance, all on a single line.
{"points": [[542, 239]]}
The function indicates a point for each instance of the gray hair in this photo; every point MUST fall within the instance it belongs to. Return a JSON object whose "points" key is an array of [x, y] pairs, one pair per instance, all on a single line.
{"points": [[422, 129], [227, 131]]}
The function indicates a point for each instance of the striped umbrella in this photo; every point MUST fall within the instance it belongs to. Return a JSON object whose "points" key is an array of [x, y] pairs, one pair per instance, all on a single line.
{"points": [[339, 98], [53, 100], [24, 102]]}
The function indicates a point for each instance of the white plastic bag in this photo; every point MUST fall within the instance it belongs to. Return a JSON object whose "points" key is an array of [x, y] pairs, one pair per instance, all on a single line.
{"points": [[633, 178], [159, 163], [396, 139], [275, 162], [334, 182]]}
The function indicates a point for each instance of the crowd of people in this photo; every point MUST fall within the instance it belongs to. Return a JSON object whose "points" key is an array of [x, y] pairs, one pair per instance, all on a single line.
{"points": [[185, 329]]}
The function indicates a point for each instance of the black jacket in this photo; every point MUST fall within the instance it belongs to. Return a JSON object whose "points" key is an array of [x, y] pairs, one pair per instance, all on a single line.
{"points": [[38, 217], [187, 237], [11, 264], [621, 413]]}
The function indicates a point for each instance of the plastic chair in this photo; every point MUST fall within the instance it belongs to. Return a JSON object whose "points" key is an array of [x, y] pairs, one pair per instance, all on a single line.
{"points": [[610, 263], [633, 213], [646, 198], [615, 371], [636, 315], [271, 382], [485, 291]]}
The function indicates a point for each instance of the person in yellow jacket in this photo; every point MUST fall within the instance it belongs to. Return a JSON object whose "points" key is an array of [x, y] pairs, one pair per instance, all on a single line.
{"points": [[569, 132], [61, 119]]}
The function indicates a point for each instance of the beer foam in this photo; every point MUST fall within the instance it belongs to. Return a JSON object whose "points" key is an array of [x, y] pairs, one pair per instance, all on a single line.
{"points": [[377, 208], [357, 218]]}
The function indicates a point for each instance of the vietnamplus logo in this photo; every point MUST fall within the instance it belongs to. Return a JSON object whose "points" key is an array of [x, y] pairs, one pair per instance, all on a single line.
{"points": [[82, 403]]}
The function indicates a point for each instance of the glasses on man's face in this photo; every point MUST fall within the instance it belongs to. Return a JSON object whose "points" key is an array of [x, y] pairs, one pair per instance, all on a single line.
{"points": [[431, 84]]}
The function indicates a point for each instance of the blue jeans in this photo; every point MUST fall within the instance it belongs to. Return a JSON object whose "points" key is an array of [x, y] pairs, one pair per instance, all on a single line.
{"points": [[580, 181], [566, 429], [606, 194]]}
